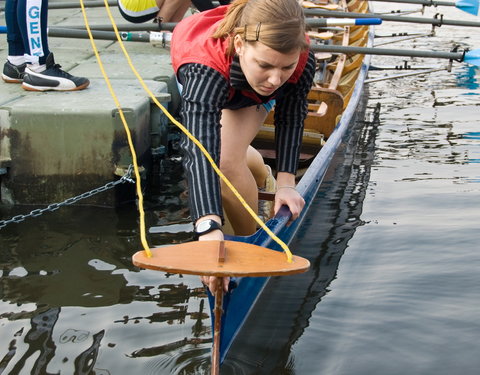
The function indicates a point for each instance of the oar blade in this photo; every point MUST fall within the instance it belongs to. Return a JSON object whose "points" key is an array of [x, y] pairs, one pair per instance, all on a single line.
{"points": [[469, 6], [472, 57]]}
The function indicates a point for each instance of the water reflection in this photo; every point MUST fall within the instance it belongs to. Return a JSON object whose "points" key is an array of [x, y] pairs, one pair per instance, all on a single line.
{"points": [[68, 281], [284, 309], [69, 275], [468, 77], [41, 347]]}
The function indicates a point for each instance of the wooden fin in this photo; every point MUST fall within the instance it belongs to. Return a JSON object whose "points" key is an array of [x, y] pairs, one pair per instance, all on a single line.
{"points": [[203, 258], [221, 252]]}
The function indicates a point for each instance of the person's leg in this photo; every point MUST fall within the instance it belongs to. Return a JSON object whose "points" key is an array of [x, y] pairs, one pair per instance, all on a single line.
{"points": [[256, 165], [14, 36], [239, 127], [172, 10], [255, 160], [14, 67], [32, 16], [265, 181]]}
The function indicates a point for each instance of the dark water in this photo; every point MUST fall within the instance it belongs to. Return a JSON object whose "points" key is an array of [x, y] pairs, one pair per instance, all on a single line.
{"points": [[393, 238]]}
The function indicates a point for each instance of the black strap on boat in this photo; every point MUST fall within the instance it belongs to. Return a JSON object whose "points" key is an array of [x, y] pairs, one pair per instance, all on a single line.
{"points": [[158, 21], [462, 58], [439, 17]]}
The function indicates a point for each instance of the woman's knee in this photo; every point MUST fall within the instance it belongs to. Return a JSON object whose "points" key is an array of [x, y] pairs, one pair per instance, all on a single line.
{"points": [[230, 166]]}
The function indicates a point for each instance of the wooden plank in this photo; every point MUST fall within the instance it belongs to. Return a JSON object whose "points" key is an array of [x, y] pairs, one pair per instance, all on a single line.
{"points": [[324, 122], [341, 62], [266, 196], [201, 258]]}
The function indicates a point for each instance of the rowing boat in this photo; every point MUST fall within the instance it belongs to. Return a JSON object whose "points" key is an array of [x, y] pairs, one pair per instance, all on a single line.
{"points": [[333, 103]]}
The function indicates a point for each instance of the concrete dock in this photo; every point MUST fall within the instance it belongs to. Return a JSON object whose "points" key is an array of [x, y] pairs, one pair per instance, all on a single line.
{"points": [[56, 145]]}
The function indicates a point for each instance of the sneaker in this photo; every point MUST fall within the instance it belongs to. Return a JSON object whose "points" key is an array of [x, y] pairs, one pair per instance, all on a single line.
{"points": [[13, 73], [265, 208], [52, 78]]}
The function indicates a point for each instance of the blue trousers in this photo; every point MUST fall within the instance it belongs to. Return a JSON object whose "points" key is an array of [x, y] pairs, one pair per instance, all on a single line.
{"points": [[27, 22]]}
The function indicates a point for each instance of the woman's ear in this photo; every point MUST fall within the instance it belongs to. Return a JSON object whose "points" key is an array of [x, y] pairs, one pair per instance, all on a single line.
{"points": [[238, 44]]}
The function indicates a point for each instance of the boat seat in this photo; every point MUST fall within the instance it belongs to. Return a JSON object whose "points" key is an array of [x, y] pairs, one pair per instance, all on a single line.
{"points": [[330, 104], [327, 6], [326, 35], [310, 136], [325, 105]]}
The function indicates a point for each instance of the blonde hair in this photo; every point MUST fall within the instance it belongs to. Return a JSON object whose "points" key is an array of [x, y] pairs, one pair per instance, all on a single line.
{"points": [[279, 24]]}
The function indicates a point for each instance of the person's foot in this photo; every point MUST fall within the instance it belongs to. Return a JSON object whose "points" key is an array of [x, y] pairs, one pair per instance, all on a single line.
{"points": [[265, 206], [52, 78], [13, 73]]}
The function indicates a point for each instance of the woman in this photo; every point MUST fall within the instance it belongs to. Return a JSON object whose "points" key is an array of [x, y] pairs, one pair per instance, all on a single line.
{"points": [[232, 63]]}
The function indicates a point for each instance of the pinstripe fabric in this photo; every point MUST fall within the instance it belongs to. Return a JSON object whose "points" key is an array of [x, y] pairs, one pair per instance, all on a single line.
{"points": [[205, 93], [290, 114]]}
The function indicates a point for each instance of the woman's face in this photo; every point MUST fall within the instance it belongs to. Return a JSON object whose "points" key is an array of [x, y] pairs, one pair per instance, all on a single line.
{"points": [[265, 69]]}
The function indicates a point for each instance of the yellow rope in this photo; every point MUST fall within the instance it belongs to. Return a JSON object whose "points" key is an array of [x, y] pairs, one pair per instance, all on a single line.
{"points": [[143, 237], [194, 140]]}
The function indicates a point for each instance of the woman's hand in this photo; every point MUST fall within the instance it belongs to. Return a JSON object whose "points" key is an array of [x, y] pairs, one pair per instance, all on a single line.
{"points": [[288, 196], [212, 281]]}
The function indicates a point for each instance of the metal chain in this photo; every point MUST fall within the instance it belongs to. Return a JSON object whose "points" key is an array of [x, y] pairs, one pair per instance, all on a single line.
{"points": [[55, 206]]}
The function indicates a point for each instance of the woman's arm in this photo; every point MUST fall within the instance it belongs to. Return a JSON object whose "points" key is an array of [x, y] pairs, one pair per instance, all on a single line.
{"points": [[290, 113], [203, 94]]}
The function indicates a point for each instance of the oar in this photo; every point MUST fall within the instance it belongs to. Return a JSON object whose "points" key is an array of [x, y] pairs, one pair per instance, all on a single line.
{"points": [[220, 259], [325, 22], [157, 38], [101, 31], [469, 6], [470, 57], [126, 36], [432, 21], [169, 26]]}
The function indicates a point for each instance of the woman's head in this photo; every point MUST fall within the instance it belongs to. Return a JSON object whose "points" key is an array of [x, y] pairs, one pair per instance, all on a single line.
{"points": [[278, 24], [268, 37]]}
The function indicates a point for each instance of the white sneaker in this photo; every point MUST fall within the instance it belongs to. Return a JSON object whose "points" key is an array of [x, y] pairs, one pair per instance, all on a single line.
{"points": [[52, 78]]}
